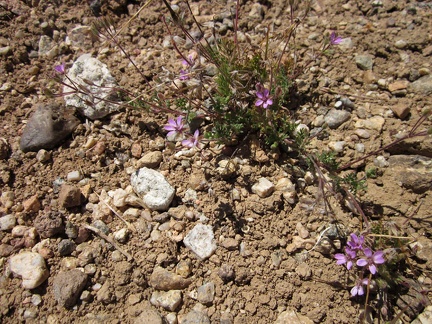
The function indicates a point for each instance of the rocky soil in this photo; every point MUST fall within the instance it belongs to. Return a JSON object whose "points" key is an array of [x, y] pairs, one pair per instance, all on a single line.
{"points": [[104, 221]]}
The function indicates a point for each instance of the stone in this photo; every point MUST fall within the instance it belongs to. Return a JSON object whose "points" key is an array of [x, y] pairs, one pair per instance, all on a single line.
{"points": [[32, 204], [364, 62], [74, 176], [425, 317], [47, 47], [369, 77], [7, 222], [206, 293], [149, 315], [196, 316], [422, 86], [263, 188], [400, 110], [200, 240], [118, 197], [152, 187], [92, 106], [121, 235], [43, 156], [150, 160], [169, 300], [398, 85], [374, 123], [68, 286], [337, 147], [81, 38], [335, 118], [162, 279], [304, 271], [69, 196], [30, 267], [49, 125], [292, 317], [49, 224], [66, 247], [413, 172]]}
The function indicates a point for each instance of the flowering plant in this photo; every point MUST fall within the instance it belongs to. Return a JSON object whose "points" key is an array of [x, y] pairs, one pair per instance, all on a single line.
{"points": [[356, 252]]}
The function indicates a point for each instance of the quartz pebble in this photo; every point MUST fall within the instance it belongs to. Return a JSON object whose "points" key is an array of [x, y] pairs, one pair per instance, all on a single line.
{"points": [[263, 187], [7, 222], [200, 240], [169, 300], [31, 267]]}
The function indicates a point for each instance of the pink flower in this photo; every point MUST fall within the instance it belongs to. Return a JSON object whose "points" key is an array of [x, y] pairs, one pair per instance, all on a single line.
{"points": [[60, 68], [358, 290], [334, 39], [346, 258], [263, 95], [356, 242], [371, 260], [175, 127], [192, 141]]}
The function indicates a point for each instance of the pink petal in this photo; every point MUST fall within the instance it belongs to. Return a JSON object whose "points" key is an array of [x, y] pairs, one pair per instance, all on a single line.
{"points": [[372, 269], [361, 262]]}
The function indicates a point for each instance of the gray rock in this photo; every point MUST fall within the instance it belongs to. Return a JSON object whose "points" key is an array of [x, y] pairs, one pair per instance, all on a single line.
{"points": [[206, 293], [67, 287], [263, 188], [49, 125], [31, 267], [100, 100], [364, 62], [200, 240], [422, 86], [162, 279], [66, 247], [7, 222], [169, 300], [48, 47], [152, 187], [335, 118]]}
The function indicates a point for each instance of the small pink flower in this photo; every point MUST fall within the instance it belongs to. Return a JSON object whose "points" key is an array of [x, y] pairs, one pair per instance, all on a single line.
{"points": [[371, 260], [60, 68], [175, 127], [193, 141], [346, 258], [358, 289], [334, 39], [263, 96]]}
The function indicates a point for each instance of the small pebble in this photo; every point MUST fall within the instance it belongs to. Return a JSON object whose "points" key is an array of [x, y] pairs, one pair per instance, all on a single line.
{"points": [[43, 155], [74, 176]]}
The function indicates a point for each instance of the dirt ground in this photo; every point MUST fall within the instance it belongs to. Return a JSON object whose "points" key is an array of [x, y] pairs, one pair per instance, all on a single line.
{"points": [[270, 257]]}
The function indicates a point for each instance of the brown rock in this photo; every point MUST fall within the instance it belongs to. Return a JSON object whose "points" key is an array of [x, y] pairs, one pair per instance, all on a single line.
{"points": [[150, 160], [49, 224], [69, 196], [400, 110], [162, 279], [398, 85], [32, 204], [369, 77], [136, 150], [67, 287]]}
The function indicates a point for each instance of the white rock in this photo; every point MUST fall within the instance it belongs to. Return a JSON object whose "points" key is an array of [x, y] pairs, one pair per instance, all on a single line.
{"points": [[169, 300], [380, 161], [200, 240], [263, 187], [121, 235], [337, 146], [118, 197], [31, 267], [152, 187], [89, 68], [74, 176], [7, 222]]}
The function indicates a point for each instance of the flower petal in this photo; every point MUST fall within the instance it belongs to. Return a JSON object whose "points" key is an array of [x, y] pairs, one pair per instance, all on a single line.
{"points": [[372, 268], [378, 257], [361, 262]]}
